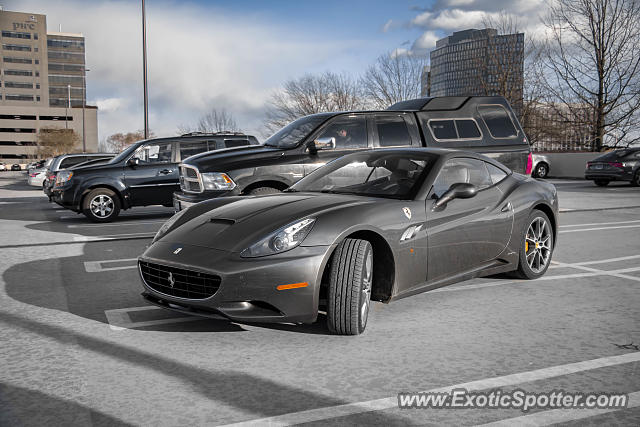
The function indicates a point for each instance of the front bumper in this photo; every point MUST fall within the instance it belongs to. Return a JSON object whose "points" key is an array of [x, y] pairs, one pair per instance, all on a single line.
{"points": [[65, 197], [248, 287], [182, 200]]}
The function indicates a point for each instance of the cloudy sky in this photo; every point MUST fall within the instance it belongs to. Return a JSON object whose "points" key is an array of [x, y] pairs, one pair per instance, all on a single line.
{"points": [[233, 54]]}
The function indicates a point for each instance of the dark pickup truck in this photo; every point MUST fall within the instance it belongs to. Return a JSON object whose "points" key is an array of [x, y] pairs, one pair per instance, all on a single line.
{"points": [[482, 124]]}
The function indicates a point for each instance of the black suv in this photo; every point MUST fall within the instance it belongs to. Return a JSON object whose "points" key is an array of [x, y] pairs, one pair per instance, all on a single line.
{"points": [[482, 124], [145, 173], [618, 165]]}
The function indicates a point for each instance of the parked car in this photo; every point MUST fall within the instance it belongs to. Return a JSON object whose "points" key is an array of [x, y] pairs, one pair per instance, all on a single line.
{"points": [[66, 161], [36, 177], [617, 165], [373, 225], [541, 166], [16, 167], [146, 173], [481, 124], [3, 167]]}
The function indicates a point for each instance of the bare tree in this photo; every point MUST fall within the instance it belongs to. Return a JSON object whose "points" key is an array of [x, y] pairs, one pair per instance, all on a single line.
{"points": [[393, 78], [216, 120], [56, 141], [119, 141], [311, 94], [592, 62]]}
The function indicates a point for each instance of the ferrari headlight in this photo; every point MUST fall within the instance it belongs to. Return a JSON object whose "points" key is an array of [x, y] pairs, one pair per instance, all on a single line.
{"points": [[281, 240], [167, 225], [217, 181], [63, 177]]}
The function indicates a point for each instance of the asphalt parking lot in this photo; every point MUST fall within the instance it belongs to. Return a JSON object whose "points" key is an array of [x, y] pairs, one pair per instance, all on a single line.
{"points": [[79, 346]]}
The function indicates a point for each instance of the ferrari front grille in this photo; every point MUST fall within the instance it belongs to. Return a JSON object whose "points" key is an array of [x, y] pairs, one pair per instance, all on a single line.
{"points": [[179, 282]]}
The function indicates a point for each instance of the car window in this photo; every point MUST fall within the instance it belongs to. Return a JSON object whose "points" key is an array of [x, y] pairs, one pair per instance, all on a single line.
{"points": [[154, 153], [496, 173], [392, 131], [461, 170], [349, 132], [71, 161], [467, 129], [230, 143], [498, 121], [443, 129], [191, 148]]}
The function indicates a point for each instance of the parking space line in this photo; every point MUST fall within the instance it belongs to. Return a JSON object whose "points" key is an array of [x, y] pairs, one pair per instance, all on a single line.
{"points": [[562, 415], [599, 223], [96, 266], [329, 412], [615, 273], [599, 228], [117, 224], [119, 318], [604, 261]]}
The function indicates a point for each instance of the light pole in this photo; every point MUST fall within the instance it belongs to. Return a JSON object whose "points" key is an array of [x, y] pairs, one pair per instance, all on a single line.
{"points": [[144, 73], [84, 101], [66, 110]]}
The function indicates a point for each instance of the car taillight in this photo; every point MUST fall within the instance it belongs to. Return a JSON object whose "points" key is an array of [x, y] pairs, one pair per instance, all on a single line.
{"points": [[529, 164], [615, 164], [33, 175]]}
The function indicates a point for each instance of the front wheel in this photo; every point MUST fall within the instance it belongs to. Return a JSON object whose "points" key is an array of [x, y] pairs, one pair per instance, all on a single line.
{"points": [[635, 181], [536, 247], [350, 283], [101, 205]]}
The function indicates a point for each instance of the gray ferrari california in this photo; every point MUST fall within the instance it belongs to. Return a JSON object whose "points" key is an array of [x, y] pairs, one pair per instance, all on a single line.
{"points": [[377, 225]]}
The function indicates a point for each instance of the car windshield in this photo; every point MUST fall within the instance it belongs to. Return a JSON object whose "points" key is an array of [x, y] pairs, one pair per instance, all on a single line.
{"points": [[291, 135], [394, 175], [125, 153]]}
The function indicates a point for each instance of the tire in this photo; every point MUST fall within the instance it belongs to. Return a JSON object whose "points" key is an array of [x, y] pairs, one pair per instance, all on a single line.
{"points": [[635, 181], [101, 205], [602, 182], [261, 191], [350, 283], [542, 170], [534, 261]]}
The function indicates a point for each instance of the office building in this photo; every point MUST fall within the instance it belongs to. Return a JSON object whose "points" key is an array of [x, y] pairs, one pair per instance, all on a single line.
{"points": [[425, 81], [479, 62], [42, 84]]}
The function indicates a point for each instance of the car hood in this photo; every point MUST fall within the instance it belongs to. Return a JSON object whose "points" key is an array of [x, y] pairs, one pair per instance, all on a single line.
{"points": [[235, 226], [232, 158]]}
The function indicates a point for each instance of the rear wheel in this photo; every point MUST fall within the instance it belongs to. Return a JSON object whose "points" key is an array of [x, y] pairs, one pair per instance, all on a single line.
{"points": [[263, 190], [536, 247], [542, 170], [601, 182], [101, 205], [350, 283], [635, 181]]}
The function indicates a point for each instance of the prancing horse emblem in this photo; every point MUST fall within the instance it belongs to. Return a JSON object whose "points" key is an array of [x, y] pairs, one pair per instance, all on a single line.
{"points": [[171, 280], [407, 212]]}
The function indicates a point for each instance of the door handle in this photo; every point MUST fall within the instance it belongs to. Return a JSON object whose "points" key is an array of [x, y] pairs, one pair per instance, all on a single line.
{"points": [[165, 171], [506, 208]]}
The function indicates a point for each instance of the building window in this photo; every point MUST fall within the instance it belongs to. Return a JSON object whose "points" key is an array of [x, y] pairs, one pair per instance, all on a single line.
{"points": [[38, 98], [18, 143], [24, 73], [12, 97], [37, 85], [18, 130], [17, 47], [56, 118], [19, 85], [16, 117], [65, 44], [16, 35], [11, 60]]}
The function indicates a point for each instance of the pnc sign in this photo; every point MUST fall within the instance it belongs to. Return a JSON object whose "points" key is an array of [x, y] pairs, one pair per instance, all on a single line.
{"points": [[24, 26]]}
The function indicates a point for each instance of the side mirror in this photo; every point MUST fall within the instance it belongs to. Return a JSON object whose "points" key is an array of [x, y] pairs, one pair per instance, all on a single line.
{"points": [[326, 143], [456, 191], [133, 162]]}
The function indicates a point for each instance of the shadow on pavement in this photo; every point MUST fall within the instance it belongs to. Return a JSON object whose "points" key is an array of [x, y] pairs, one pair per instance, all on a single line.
{"points": [[261, 397], [23, 407]]}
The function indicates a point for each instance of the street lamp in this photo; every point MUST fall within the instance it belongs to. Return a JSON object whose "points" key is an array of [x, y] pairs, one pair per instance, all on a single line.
{"points": [[84, 98], [144, 73]]}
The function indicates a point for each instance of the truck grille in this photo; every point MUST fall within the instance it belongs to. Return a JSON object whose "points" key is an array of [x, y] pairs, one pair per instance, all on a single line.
{"points": [[178, 282], [190, 179]]}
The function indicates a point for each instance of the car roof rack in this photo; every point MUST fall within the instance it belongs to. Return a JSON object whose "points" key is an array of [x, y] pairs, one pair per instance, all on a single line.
{"points": [[224, 132]]}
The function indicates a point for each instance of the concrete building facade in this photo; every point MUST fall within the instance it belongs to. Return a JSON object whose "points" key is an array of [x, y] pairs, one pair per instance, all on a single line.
{"points": [[479, 62], [40, 75]]}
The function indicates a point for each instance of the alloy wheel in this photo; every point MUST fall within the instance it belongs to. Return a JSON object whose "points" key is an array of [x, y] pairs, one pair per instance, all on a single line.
{"points": [[101, 206], [365, 293], [538, 245]]}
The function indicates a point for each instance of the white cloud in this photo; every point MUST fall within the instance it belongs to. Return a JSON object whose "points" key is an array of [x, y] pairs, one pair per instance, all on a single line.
{"points": [[198, 58], [387, 26], [425, 42]]}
